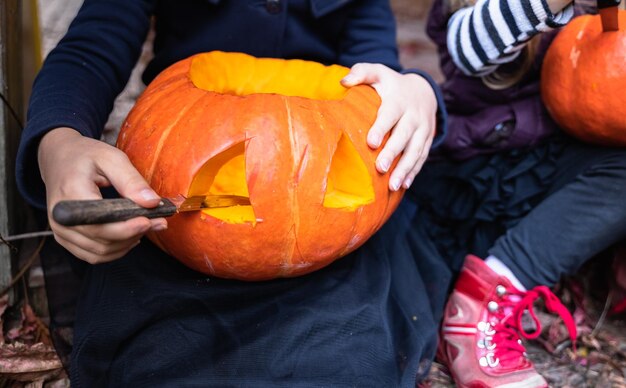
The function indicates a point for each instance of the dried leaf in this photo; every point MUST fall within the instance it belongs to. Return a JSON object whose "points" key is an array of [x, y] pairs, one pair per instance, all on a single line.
{"points": [[590, 341], [24, 362], [30, 329], [439, 377]]}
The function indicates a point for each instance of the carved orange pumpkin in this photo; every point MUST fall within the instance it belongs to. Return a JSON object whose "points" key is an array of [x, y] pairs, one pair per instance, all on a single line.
{"points": [[584, 78], [283, 133]]}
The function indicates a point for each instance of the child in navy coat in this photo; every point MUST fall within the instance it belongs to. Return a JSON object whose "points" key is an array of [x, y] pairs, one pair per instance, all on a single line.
{"points": [[143, 319]]}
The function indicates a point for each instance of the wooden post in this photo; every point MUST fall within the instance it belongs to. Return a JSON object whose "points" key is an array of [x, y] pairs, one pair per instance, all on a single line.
{"points": [[11, 89]]}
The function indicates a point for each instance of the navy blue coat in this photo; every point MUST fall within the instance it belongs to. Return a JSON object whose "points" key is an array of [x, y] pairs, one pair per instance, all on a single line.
{"points": [[82, 76]]}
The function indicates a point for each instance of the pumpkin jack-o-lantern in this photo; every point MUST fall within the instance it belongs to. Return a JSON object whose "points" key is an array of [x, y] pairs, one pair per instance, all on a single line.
{"points": [[283, 133]]}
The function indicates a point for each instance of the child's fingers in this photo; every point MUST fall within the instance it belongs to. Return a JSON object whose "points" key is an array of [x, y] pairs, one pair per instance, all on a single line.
{"points": [[104, 241], [386, 118], [363, 73], [396, 143], [121, 231], [118, 169], [410, 153], [101, 243], [94, 254], [423, 155], [81, 181], [107, 234], [413, 157]]}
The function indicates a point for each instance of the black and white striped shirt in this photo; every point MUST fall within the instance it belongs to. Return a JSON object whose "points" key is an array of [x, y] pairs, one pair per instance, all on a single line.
{"points": [[493, 32]]}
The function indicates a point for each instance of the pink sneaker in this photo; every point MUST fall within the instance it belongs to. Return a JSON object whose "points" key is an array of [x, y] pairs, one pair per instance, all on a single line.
{"points": [[481, 329]]}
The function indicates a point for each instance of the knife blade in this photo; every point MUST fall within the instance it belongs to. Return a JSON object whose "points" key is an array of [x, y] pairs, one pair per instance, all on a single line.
{"points": [[102, 211]]}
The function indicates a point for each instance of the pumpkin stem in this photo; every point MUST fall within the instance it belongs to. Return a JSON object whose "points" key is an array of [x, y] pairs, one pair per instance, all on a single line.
{"points": [[608, 12]]}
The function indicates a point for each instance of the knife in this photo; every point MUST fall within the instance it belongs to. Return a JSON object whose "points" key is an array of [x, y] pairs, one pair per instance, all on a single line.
{"points": [[102, 211]]}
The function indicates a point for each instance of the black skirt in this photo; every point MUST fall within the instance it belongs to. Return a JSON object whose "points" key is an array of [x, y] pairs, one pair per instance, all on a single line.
{"points": [[369, 319]]}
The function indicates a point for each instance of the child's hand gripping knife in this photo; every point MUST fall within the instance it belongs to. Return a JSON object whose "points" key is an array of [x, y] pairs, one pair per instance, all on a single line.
{"points": [[75, 167]]}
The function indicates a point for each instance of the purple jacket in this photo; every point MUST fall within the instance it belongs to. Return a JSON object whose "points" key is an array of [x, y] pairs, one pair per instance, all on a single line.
{"points": [[483, 120]]}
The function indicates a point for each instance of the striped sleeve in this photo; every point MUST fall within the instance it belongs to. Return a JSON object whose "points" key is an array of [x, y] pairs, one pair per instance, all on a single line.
{"points": [[493, 32]]}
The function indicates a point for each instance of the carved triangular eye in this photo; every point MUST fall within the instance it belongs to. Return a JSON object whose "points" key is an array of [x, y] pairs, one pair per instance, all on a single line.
{"points": [[349, 183], [225, 174]]}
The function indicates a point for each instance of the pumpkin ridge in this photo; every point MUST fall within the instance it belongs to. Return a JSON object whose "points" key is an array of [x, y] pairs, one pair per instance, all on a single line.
{"points": [[302, 164], [388, 201], [165, 134], [145, 104], [165, 84], [286, 266], [294, 197], [154, 96], [207, 262], [355, 222], [174, 71], [252, 174]]}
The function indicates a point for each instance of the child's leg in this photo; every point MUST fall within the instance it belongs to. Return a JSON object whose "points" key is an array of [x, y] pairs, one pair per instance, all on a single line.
{"points": [[502, 269], [583, 214]]}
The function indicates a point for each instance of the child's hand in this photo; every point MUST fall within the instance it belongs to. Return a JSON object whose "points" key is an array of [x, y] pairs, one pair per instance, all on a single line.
{"points": [[74, 167], [408, 109]]}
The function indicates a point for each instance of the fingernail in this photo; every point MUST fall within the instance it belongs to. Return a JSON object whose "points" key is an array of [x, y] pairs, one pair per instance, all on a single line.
{"points": [[407, 183], [374, 141], [159, 227], [383, 165], [148, 194], [348, 79], [395, 184], [144, 228]]}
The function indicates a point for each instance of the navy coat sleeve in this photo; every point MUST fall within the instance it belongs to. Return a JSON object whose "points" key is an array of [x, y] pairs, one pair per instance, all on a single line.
{"points": [[80, 79]]}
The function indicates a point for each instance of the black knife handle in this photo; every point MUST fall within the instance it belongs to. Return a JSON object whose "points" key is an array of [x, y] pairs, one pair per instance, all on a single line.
{"points": [[102, 211]]}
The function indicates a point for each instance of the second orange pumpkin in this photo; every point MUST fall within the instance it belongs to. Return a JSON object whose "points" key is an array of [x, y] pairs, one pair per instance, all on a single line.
{"points": [[583, 80]]}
